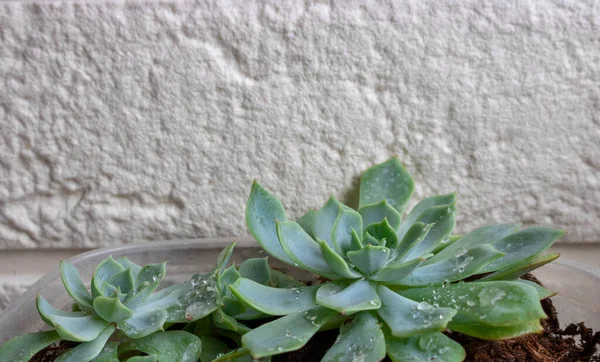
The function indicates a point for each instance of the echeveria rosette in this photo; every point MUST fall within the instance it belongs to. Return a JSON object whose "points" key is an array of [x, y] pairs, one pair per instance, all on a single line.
{"points": [[397, 282]]}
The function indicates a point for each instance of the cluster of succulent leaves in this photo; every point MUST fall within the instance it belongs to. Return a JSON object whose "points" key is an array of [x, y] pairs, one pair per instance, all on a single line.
{"points": [[391, 285]]}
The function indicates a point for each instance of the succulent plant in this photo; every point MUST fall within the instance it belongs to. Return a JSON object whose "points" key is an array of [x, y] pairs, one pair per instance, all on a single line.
{"points": [[393, 285]]}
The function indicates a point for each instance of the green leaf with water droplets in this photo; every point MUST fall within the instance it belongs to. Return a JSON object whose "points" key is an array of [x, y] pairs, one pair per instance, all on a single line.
{"points": [[413, 237], [23, 348], [360, 339], [170, 346], [111, 309], [151, 274], [109, 352], [212, 348], [337, 264], [256, 269], [274, 301], [223, 321], [370, 258], [414, 214], [262, 210], [460, 266], [523, 268], [238, 355], [74, 285], [383, 231], [428, 347], [406, 317], [303, 250], [386, 181], [287, 333], [195, 299], [358, 296], [483, 235], [142, 359], [375, 213], [522, 245], [341, 235], [543, 293], [88, 350], [144, 322], [104, 271], [442, 218], [495, 333]]}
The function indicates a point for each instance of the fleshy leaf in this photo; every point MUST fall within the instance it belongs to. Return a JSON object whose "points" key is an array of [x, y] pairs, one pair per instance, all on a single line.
{"points": [[211, 349], [386, 181], [460, 266], [375, 213], [370, 240], [46, 311], [282, 280], [151, 274], [126, 263], [415, 213], [111, 309], [356, 243], [306, 221], [104, 271], [415, 235], [223, 321], [483, 235], [238, 355], [543, 293], [337, 264], [22, 348], [196, 298], [483, 331], [523, 268], [170, 346], [224, 257], [325, 219], [341, 235], [123, 281], [110, 349], [393, 274], [360, 340], [443, 219], [383, 231], [287, 333], [142, 359], [302, 249], [498, 303], [144, 321], [358, 296], [428, 347], [274, 301], [74, 285], [522, 245], [88, 350], [370, 258], [406, 318], [256, 269], [262, 210], [229, 276]]}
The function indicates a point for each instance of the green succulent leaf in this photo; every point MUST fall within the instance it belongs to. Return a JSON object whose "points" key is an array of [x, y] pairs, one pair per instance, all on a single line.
{"points": [[88, 350], [274, 301], [223, 321], [104, 271], [370, 258], [522, 245], [211, 349], [483, 235], [303, 250], [262, 210], [341, 235], [443, 219], [325, 219], [287, 333], [196, 298], [371, 240], [23, 348], [497, 303], [360, 340], [356, 242], [144, 322], [386, 181], [256, 269], [415, 214], [46, 311], [523, 268], [282, 280], [393, 274], [142, 359], [109, 351], [413, 237], [170, 346], [337, 264], [123, 281], [74, 285], [239, 355], [375, 213], [126, 263], [111, 309], [151, 274], [224, 279], [483, 331], [307, 220], [427, 347], [543, 293], [383, 231], [406, 318], [460, 266], [224, 257], [358, 296]]}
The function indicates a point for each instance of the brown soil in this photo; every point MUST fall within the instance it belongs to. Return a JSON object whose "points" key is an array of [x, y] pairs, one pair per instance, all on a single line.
{"points": [[575, 343]]}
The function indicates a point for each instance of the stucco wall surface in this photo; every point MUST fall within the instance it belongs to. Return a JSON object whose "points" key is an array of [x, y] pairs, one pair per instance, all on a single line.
{"points": [[133, 121]]}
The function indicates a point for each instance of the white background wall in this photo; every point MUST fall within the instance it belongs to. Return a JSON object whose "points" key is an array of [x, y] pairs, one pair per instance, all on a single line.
{"points": [[134, 121]]}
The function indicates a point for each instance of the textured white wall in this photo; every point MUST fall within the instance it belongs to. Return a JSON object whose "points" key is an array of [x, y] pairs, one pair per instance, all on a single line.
{"points": [[143, 121]]}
